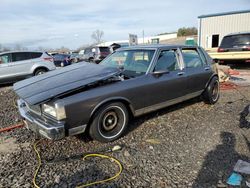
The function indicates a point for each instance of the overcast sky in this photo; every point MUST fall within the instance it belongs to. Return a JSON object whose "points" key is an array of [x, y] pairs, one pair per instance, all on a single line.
{"points": [[70, 23]]}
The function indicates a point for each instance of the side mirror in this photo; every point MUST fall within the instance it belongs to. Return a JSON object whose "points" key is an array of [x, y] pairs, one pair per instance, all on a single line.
{"points": [[160, 72]]}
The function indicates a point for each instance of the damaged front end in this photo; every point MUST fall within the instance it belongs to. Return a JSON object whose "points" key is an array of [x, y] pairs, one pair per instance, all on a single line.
{"points": [[41, 98]]}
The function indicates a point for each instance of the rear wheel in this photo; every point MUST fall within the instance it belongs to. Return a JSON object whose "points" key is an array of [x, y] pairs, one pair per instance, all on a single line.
{"points": [[212, 93], [91, 60], [40, 71], [109, 122]]}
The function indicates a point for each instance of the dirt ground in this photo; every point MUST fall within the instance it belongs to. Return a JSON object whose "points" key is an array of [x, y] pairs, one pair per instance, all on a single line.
{"points": [[191, 144]]}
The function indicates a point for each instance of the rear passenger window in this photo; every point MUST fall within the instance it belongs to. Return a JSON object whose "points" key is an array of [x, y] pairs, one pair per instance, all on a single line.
{"points": [[20, 56], [87, 50], [203, 57], [34, 55], [167, 61], [191, 58]]}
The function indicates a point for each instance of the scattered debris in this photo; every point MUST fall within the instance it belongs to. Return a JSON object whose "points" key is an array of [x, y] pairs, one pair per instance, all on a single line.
{"points": [[235, 179], [247, 184], [242, 167], [223, 77], [153, 141], [227, 86]]}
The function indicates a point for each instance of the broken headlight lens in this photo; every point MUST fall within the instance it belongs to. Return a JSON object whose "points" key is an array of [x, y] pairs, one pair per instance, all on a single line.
{"points": [[56, 111], [49, 110]]}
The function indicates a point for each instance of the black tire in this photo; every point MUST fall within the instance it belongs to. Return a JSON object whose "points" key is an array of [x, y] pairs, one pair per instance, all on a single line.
{"points": [[109, 122], [91, 60], [40, 71], [212, 93]]}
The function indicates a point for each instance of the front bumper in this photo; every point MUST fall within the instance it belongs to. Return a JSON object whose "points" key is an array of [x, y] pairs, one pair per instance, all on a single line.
{"points": [[40, 125]]}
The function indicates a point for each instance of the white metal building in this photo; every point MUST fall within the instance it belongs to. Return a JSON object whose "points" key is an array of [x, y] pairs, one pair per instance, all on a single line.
{"points": [[145, 40], [213, 27]]}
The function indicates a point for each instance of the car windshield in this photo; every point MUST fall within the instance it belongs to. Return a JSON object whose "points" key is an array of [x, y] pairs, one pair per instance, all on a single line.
{"points": [[235, 41], [132, 62]]}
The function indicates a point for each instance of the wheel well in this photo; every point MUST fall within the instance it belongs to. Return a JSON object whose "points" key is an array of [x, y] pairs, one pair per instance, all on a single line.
{"points": [[40, 68], [215, 75], [123, 101]]}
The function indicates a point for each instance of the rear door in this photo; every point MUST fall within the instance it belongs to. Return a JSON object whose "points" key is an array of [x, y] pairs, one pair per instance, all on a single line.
{"points": [[21, 63], [5, 69], [197, 70]]}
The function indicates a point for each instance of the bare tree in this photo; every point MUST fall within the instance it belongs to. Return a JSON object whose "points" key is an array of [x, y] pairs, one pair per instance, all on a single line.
{"points": [[97, 36]]}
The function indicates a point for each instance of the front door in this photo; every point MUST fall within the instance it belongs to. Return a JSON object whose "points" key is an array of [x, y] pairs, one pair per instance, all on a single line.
{"points": [[168, 81]]}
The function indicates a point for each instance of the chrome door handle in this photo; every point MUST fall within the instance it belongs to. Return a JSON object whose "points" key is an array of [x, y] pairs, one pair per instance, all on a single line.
{"points": [[180, 73], [207, 68]]}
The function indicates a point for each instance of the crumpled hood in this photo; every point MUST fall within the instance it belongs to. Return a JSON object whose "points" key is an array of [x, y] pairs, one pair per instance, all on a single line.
{"points": [[47, 86]]}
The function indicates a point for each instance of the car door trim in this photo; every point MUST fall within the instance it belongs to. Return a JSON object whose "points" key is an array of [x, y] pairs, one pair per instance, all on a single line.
{"points": [[166, 103]]}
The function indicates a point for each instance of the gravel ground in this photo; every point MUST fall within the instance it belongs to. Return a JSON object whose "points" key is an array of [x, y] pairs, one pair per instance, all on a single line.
{"points": [[187, 145]]}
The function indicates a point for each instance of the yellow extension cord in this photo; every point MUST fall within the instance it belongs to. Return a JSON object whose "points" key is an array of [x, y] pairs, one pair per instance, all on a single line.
{"points": [[86, 156]]}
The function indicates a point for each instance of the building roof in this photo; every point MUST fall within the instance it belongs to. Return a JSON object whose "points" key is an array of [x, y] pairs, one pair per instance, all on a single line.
{"points": [[224, 13]]}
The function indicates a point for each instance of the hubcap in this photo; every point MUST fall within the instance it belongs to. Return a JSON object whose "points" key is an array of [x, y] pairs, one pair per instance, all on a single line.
{"points": [[39, 73], [215, 91], [110, 121]]}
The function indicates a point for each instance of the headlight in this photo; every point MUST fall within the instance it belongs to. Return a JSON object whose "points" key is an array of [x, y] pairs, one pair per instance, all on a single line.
{"points": [[56, 111]]}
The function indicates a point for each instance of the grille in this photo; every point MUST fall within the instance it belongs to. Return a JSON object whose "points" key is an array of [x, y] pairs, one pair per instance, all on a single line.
{"points": [[34, 108]]}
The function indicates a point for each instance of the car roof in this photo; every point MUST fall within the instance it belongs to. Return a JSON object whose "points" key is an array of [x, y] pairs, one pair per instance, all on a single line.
{"points": [[156, 46], [19, 51], [238, 33]]}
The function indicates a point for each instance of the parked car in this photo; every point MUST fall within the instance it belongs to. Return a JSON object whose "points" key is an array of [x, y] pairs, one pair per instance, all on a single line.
{"points": [[16, 66], [102, 98], [114, 47], [95, 54], [61, 60], [234, 48], [75, 57]]}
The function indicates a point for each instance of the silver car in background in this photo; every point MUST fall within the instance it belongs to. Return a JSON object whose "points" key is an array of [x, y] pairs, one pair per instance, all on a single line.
{"points": [[16, 66]]}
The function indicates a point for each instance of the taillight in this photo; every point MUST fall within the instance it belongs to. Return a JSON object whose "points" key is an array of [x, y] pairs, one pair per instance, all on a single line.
{"points": [[103, 53], [221, 50], [48, 59], [246, 48]]}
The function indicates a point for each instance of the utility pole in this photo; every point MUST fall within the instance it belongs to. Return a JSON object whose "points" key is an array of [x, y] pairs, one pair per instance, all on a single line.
{"points": [[143, 36]]}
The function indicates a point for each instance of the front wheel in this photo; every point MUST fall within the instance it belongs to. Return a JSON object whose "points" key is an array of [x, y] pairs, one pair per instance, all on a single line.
{"points": [[212, 93], [109, 122]]}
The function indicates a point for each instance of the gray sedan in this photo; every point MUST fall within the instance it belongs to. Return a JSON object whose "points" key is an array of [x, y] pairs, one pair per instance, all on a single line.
{"points": [[102, 98]]}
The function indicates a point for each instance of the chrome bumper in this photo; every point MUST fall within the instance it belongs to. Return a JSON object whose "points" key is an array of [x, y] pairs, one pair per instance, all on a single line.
{"points": [[47, 128]]}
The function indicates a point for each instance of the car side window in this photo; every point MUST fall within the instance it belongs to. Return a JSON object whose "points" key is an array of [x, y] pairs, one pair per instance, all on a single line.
{"points": [[6, 58], [167, 60], [34, 55], [191, 58], [20, 56], [203, 57], [87, 50]]}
